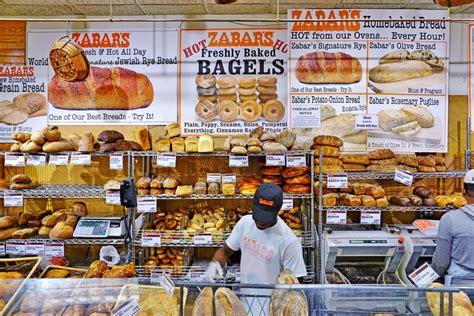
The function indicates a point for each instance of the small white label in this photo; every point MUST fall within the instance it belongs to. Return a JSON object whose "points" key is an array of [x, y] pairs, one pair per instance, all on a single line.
{"points": [[151, 239], [229, 178], [275, 160], [304, 113], [34, 248], [2, 249], [146, 204], [337, 181], [336, 217], [155, 276], [166, 160], [56, 249], [167, 284], [58, 159], [80, 159], [36, 160], [112, 197], [403, 177], [15, 248], [370, 217], [238, 161], [128, 308], [14, 160], [367, 121], [115, 161], [213, 178], [287, 204], [295, 161], [424, 275], [12, 199], [203, 239]]}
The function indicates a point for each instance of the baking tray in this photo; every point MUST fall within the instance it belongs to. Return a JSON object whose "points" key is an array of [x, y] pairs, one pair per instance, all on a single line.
{"points": [[74, 272]]}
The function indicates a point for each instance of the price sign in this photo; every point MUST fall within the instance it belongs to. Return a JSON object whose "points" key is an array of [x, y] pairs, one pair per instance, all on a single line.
{"points": [[203, 239], [166, 283], [275, 160], [229, 178], [14, 160], [295, 161], [238, 161], [424, 275], [367, 121], [15, 248], [370, 217], [36, 160], [2, 249], [128, 308], [12, 199], [336, 217], [112, 197], [214, 177], [166, 160], [80, 159], [146, 204], [34, 248], [337, 181], [151, 239], [115, 161], [56, 249], [58, 159], [403, 177], [287, 204]]}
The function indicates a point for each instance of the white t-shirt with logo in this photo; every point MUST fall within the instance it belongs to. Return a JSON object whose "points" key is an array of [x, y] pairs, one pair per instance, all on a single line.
{"points": [[265, 253]]}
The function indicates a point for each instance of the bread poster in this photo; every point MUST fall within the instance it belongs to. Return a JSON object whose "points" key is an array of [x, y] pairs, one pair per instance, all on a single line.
{"points": [[375, 78], [232, 80], [132, 78], [23, 105]]}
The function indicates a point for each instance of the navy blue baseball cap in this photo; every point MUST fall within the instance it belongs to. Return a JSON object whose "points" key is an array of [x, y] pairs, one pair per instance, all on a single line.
{"points": [[267, 202]]}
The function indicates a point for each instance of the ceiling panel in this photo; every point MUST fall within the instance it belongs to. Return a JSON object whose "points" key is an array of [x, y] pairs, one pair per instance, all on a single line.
{"points": [[168, 9], [37, 10], [238, 9], [104, 9], [35, 2], [158, 2]]}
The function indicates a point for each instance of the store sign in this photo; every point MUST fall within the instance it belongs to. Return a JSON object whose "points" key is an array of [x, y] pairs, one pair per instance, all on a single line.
{"points": [[14, 160]]}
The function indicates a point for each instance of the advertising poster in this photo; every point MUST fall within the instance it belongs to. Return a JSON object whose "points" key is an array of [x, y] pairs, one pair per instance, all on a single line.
{"points": [[380, 81], [470, 57], [232, 80], [132, 77]]}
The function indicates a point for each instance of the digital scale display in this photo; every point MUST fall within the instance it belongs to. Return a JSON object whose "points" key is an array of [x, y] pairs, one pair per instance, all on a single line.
{"points": [[367, 241], [92, 228]]}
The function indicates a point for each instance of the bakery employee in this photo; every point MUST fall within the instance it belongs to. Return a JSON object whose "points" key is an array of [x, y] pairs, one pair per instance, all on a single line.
{"points": [[455, 246], [267, 244]]}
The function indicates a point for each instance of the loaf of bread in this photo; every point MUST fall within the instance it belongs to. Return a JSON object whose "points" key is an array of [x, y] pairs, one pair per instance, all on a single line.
{"points": [[355, 159], [368, 201], [415, 200], [353, 167], [329, 199], [227, 303], [326, 67], [61, 231], [394, 72], [291, 172], [375, 191], [327, 151], [203, 304], [426, 169], [7, 221], [25, 233], [351, 200], [205, 143], [382, 168], [328, 161], [296, 189], [62, 145], [400, 201], [388, 161], [86, 144], [381, 202], [328, 140], [177, 144], [426, 161], [327, 169], [407, 168], [6, 233], [409, 160], [105, 88], [380, 154], [191, 144], [142, 137]]}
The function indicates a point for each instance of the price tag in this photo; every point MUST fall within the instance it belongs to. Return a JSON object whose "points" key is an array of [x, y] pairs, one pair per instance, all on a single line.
{"points": [[166, 283], [214, 177], [424, 275], [128, 308], [15, 248], [203, 239], [336, 217], [403, 177], [151, 239], [116, 161], [295, 161], [36, 160], [12, 199], [287, 204], [80, 159], [367, 121], [238, 161], [34, 248], [146, 204], [112, 197], [275, 160], [2, 249], [155, 276], [229, 178], [166, 160], [14, 160], [337, 181], [58, 159], [56, 249], [370, 217]]}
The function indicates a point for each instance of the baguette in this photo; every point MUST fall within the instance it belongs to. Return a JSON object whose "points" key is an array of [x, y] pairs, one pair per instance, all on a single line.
{"points": [[405, 70]]}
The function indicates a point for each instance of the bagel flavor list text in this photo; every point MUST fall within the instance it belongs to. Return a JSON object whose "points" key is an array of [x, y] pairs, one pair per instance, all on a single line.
{"points": [[389, 64], [232, 80]]}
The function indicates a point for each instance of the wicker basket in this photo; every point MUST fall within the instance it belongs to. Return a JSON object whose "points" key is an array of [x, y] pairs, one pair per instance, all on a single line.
{"points": [[68, 60]]}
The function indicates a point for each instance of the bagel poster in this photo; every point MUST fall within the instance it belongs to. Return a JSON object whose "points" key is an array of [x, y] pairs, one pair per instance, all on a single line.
{"points": [[375, 78], [232, 80]]}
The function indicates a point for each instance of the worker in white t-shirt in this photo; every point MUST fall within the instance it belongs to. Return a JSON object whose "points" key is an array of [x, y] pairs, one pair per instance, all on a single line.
{"points": [[267, 244]]}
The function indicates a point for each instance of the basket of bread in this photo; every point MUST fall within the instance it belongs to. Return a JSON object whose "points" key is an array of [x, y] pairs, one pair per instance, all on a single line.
{"points": [[68, 60]]}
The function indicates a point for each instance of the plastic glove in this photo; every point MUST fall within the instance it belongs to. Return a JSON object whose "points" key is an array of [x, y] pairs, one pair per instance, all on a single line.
{"points": [[213, 271]]}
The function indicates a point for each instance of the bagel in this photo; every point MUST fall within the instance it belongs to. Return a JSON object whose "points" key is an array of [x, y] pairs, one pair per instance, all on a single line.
{"points": [[231, 90], [228, 110], [231, 97], [267, 81], [206, 110], [212, 98], [250, 111], [206, 91], [273, 110], [248, 82], [267, 97], [244, 98], [206, 81], [267, 90], [247, 91], [226, 82]]}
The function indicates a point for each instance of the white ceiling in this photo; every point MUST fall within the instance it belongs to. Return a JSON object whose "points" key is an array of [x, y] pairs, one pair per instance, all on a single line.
{"points": [[197, 7]]}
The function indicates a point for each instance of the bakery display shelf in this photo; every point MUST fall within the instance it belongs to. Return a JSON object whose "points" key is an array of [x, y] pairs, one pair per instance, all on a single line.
{"points": [[62, 191], [390, 175], [391, 208], [72, 241], [216, 153], [93, 154], [220, 196]]}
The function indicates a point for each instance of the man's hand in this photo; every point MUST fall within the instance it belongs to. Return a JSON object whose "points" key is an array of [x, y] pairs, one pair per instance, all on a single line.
{"points": [[214, 270]]}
